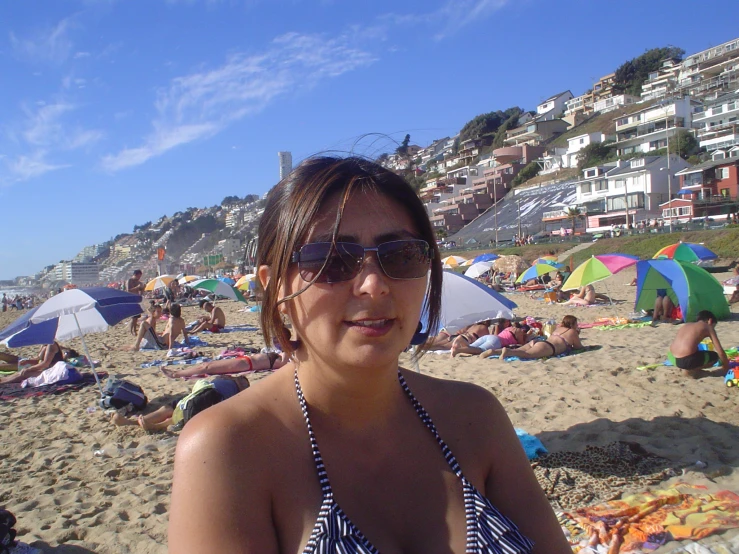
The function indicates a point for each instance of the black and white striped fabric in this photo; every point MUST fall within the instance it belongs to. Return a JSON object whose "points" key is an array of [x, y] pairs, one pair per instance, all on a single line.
{"points": [[488, 531]]}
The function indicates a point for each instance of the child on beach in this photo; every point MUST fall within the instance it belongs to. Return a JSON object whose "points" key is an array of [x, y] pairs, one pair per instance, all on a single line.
{"points": [[214, 321], [684, 353]]}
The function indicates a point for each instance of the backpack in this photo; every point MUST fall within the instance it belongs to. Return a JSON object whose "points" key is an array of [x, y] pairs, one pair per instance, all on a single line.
{"points": [[119, 393], [203, 395]]}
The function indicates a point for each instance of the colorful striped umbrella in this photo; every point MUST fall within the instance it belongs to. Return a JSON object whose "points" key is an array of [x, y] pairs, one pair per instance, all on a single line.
{"points": [[588, 272], [535, 271], [685, 252], [616, 262], [160, 282]]}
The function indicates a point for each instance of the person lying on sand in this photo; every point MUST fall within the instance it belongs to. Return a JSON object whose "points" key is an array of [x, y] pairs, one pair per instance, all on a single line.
{"points": [[684, 353], [252, 362], [564, 339], [444, 339], [214, 321], [471, 334], [586, 297], [509, 336], [49, 355], [161, 419], [734, 299]]}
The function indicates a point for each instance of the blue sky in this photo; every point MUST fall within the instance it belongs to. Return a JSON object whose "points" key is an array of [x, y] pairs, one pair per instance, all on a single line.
{"points": [[115, 112]]}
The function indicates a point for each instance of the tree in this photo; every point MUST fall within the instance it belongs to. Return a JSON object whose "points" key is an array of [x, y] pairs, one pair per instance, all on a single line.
{"points": [[573, 213], [508, 124], [684, 144], [487, 123], [529, 172], [402, 150], [631, 74], [441, 233], [593, 154], [230, 200]]}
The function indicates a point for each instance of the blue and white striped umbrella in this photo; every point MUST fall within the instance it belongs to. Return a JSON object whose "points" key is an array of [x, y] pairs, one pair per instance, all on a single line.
{"points": [[72, 313]]}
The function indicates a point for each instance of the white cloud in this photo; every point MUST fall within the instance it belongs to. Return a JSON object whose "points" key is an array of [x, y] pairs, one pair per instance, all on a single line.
{"points": [[44, 126], [28, 167], [198, 106], [80, 55], [48, 45]]}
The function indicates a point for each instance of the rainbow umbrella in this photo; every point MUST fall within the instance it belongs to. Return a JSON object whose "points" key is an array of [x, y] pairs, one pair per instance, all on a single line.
{"points": [[548, 260], [616, 262], [536, 270], [161, 282], [243, 282], [685, 252], [453, 261]]}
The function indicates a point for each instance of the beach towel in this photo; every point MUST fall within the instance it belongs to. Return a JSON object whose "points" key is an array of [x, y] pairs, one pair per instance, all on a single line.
{"points": [[60, 373], [645, 521], [637, 325], [162, 363], [514, 358], [599, 473], [12, 392]]}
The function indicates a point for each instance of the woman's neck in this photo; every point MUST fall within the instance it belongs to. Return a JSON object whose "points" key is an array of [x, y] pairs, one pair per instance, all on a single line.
{"points": [[357, 399]]}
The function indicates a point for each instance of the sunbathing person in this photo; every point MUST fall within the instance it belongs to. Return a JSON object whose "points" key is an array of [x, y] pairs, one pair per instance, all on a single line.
{"points": [[734, 299], [564, 339], [161, 419], [176, 326], [663, 307], [444, 339], [229, 366], [49, 355], [509, 336], [147, 338], [585, 297], [684, 353], [214, 321], [470, 335], [734, 279]]}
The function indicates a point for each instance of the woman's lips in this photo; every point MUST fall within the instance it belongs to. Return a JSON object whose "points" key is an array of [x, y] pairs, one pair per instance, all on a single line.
{"points": [[371, 327]]}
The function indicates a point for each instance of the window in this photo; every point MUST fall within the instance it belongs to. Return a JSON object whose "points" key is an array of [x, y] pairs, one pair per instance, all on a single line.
{"points": [[582, 141], [637, 163], [722, 173], [718, 155], [585, 188], [620, 183], [725, 193], [590, 173], [601, 185]]}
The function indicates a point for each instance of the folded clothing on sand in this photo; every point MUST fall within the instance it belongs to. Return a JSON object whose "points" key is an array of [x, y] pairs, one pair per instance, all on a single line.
{"points": [[11, 392], [531, 445], [650, 519]]}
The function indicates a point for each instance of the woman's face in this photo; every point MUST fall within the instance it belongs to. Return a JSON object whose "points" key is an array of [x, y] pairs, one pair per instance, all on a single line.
{"points": [[366, 321]]}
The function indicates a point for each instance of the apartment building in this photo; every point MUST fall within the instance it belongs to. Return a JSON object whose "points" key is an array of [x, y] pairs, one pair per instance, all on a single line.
{"points": [[716, 121], [707, 189], [663, 82], [712, 70]]}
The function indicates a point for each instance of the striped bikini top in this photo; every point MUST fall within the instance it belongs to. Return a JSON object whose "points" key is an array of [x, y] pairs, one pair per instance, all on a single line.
{"points": [[488, 531]]}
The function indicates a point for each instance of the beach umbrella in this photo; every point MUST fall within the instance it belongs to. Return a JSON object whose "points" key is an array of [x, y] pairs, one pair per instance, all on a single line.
{"points": [[616, 262], [70, 314], [689, 286], [219, 288], [548, 261], [489, 257], [452, 261], [161, 282], [478, 269], [685, 252], [244, 281], [590, 271], [187, 278], [535, 271], [227, 280], [464, 301]]}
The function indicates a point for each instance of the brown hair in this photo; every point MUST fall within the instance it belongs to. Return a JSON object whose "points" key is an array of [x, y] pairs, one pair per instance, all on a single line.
{"points": [[291, 209], [569, 321]]}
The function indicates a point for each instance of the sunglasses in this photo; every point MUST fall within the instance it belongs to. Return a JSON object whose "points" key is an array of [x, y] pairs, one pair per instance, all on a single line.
{"points": [[342, 261]]}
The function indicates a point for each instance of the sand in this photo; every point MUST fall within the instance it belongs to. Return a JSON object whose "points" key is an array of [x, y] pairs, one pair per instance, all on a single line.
{"points": [[67, 500]]}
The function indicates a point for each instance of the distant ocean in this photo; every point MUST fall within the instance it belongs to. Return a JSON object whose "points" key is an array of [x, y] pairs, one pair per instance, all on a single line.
{"points": [[14, 291]]}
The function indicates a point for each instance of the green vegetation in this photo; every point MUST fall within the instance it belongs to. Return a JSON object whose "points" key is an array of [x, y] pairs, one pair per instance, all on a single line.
{"points": [[190, 232], [684, 144], [531, 170], [594, 154], [507, 125], [723, 242], [573, 214], [402, 150], [631, 75], [487, 123]]}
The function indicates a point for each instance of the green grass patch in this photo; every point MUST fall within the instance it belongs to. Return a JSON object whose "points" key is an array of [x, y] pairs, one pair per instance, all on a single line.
{"points": [[724, 242]]}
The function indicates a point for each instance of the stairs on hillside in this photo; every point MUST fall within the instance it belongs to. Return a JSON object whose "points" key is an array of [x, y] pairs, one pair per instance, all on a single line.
{"points": [[564, 256]]}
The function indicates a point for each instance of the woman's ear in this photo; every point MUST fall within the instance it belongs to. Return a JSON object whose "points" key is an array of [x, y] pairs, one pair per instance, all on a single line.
{"points": [[264, 273]]}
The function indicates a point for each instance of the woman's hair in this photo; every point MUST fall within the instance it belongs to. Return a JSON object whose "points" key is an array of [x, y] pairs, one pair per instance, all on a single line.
{"points": [[569, 321], [175, 310], [69, 353], [292, 206], [153, 308]]}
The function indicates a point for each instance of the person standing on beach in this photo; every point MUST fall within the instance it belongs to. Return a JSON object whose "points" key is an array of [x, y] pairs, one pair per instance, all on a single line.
{"points": [[684, 353], [135, 286]]}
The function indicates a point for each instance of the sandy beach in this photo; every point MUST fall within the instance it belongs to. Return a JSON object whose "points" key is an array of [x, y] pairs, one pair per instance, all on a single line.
{"points": [[67, 500]]}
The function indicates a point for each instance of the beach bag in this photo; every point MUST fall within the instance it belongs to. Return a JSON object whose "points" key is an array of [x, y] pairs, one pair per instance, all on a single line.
{"points": [[203, 396], [119, 393]]}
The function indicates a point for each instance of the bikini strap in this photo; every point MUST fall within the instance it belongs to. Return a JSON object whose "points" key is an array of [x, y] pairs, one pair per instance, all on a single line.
{"points": [[317, 459], [426, 419]]}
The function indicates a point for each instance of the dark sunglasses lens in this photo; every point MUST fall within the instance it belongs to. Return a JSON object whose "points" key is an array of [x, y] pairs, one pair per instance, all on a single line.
{"points": [[404, 259], [343, 264]]}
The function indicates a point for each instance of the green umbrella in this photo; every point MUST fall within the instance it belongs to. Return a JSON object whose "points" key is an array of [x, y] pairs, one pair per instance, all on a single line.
{"points": [[588, 272], [219, 288]]}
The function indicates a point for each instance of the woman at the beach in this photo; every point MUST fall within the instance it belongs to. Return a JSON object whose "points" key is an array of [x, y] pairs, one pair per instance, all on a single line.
{"points": [[563, 340], [239, 364], [339, 439], [147, 338], [510, 336], [49, 355], [585, 296]]}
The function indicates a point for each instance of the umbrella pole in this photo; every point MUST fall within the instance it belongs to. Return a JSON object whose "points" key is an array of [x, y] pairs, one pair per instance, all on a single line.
{"points": [[89, 358]]}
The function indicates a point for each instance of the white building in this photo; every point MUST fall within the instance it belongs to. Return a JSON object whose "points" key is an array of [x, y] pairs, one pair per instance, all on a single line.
{"points": [[714, 69], [716, 122], [553, 107], [234, 217], [286, 163], [647, 129], [642, 184], [605, 105], [230, 248], [663, 82], [77, 273]]}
